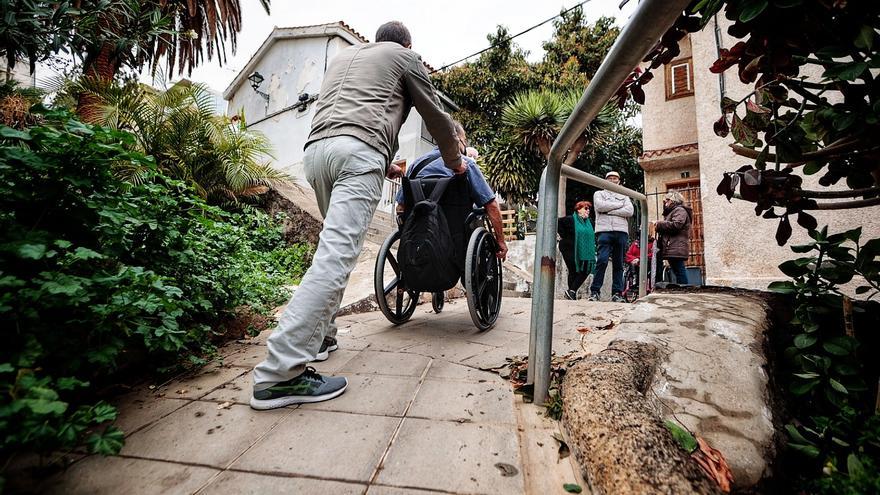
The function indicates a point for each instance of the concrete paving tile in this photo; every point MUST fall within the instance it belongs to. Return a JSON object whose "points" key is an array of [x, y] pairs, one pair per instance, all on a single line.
{"points": [[372, 394], [338, 359], [452, 350], [201, 384], [386, 363], [112, 475], [391, 490], [459, 401], [496, 337], [238, 391], [454, 457], [322, 444], [351, 343], [136, 411], [443, 369], [248, 357], [200, 433], [393, 340], [496, 357], [236, 482]]}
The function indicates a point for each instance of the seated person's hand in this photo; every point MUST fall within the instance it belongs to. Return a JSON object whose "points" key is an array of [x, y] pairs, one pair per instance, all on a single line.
{"points": [[461, 168], [394, 171], [502, 250], [634, 262]]}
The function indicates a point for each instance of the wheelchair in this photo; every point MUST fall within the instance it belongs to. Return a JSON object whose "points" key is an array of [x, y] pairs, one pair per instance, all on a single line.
{"points": [[475, 248]]}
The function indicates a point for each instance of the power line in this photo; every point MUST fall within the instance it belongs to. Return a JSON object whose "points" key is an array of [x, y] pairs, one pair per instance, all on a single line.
{"points": [[510, 37]]}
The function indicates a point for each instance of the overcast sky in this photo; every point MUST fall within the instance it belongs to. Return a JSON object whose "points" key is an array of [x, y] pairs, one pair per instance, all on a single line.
{"points": [[442, 32]]}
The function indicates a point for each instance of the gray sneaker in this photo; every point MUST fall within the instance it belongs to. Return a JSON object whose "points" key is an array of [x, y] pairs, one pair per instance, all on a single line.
{"points": [[617, 298], [329, 345], [571, 295], [593, 297], [305, 388]]}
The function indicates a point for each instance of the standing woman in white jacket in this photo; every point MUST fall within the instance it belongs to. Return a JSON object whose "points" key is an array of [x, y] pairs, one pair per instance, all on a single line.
{"points": [[613, 211]]}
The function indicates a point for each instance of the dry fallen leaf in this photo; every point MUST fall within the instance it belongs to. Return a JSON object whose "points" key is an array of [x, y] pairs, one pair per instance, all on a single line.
{"points": [[584, 330], [714, 464], [181, 391], [225, 405]]}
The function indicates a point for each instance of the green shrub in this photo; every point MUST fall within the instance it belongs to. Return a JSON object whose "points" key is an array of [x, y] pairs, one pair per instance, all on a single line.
{"points": [[98, 275]]}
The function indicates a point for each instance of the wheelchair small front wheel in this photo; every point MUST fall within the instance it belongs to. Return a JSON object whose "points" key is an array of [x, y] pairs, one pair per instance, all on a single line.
{"points": [[438, 299], [396, 301], [483, 279]]}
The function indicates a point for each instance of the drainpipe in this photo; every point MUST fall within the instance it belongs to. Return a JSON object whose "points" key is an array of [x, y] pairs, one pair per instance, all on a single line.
{"points": [[651, 19]]}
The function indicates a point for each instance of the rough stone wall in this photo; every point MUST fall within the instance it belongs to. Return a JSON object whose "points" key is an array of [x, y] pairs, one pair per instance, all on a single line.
{"points": [[616, 432]]}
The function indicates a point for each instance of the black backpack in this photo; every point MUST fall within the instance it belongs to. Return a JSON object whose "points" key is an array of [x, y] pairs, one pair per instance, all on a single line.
{"points": [[427, 252]]}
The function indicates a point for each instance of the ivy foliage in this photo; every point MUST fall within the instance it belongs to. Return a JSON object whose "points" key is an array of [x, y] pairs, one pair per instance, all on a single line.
{"points": [[99, 276]]}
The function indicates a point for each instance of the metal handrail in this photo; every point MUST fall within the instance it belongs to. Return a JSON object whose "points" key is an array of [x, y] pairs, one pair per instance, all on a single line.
{"points": [[651, 19]]}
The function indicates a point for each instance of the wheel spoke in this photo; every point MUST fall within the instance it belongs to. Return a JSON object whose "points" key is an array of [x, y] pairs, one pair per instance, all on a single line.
{"points": [[393, 262], [399, 308], [391, 286]]}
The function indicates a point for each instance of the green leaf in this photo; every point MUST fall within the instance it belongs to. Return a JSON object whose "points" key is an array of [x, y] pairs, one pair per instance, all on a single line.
{"points": [[103, 412], [836, 385], [809, 450], [782, 287], [846, 72], [796, 435], [572, 488], [742, 133], [752, 9], [86, 254], [800, 388], [683, 437], [807, 376], [865, 38], [6, 368], [32, 251], [813, 166], [728, 104], [854, 466], [109, 442], [11, 133], [44, 406], [796, 268], [804, 340]]}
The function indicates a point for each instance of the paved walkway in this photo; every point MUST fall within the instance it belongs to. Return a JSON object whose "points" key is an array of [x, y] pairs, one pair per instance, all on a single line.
{"points": [[419, 416]]}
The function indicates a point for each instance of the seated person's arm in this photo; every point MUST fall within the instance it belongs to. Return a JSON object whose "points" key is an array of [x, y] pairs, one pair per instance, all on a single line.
{"points": [[493, 211]]}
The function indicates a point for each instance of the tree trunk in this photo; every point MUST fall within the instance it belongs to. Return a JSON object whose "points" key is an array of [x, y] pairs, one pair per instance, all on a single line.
{"points": [[101, 67]]}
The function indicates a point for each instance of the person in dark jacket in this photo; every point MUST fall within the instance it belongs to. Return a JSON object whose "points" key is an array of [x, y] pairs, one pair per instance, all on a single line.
{"points": [[674, 231], [577, 242]]}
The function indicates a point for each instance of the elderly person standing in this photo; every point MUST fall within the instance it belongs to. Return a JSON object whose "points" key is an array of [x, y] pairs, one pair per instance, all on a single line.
{"points": [[674, 231], [612, 235], [367, 93], [577, 242]]}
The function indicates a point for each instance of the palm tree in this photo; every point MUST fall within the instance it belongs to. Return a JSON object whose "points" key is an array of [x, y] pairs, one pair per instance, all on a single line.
{"points": [[536, 117], [217, 155], [139, 32]]}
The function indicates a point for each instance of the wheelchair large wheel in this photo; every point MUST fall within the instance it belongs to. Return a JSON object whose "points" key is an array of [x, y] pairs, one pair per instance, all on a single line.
{"points": [[396, 301], [482, 279]]}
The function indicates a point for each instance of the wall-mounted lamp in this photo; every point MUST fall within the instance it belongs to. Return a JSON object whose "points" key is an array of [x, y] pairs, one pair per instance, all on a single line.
{"points": [[256, 80]]}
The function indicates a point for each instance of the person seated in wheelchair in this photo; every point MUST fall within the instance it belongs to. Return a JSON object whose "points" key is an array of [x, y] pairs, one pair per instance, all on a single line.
{"points": [[480, 193], [633, 253]]}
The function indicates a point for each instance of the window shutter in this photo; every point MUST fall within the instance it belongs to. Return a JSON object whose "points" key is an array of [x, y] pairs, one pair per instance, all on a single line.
{"points": [[679, 79]]}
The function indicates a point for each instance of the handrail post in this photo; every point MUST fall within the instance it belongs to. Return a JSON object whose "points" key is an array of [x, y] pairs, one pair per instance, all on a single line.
{"points": [[651, 19], [541, 340], [643, 252]]}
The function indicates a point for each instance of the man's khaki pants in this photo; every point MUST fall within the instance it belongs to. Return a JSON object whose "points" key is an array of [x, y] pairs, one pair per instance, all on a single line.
{"points": [[347, 176]]}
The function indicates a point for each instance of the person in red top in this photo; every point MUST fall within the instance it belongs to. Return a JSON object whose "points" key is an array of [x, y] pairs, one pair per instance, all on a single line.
{"points": [[632, 254]]}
